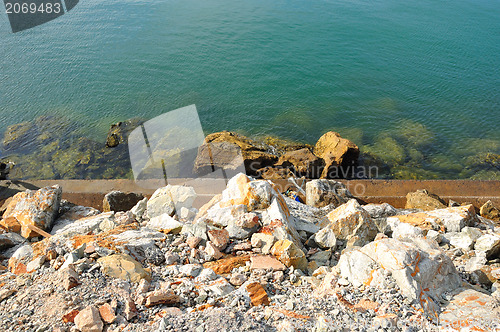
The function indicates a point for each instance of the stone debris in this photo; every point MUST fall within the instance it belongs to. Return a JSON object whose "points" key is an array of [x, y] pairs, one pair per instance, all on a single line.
{"points": [[250, 259]]}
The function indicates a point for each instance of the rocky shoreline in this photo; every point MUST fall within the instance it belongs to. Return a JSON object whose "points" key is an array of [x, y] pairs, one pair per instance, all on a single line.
{"points": [[50, 148], [250, 259]]}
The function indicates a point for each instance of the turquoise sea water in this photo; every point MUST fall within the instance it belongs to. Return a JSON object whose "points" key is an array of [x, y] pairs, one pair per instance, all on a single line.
{"points": [[292, 68]]}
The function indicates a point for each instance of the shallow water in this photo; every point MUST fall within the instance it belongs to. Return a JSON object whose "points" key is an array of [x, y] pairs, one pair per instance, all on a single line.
{"points": [[293, 69]]}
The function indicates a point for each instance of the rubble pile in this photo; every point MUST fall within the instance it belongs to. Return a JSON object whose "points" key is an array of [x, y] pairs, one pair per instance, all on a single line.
{"points": [[250, 259]]}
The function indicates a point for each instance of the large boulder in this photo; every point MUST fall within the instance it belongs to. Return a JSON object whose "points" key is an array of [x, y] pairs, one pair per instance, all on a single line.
{"points": [[337, 152], [421, 269], [123, 267], [424, 200], [303, 162], [350, 220], [489, 211], [120, 201], [451, 219], [38, 208], [320, 193], [214, 154], [169, 200]]}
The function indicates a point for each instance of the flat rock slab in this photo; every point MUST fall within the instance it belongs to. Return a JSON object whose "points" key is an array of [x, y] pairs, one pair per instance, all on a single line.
{"points": [[468, 310], [266, 262]]}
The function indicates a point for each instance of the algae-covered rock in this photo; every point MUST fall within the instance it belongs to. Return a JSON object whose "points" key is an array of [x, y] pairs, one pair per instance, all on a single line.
{"points": [[387, 149], [19, 135], [414, 133], [118, 133]]}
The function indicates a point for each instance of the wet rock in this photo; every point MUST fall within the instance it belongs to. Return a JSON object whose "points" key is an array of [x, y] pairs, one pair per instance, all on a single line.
{"points": [[489, 211], [336, 152], [123, 267], [289, 254], [89, 320], [254, 157], [118, 133], [38, 208], [321, 193], [349, 220], [169, 199], [424, 200], [303, 162], [119, 201]]}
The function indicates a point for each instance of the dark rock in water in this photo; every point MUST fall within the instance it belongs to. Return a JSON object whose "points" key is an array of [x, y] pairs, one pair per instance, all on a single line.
{"points": [[5, 169], [275, 173], [304, 162], [119, 201], [21, 135], [422, 199], [118, 133], [337, 152], [254, 157]]}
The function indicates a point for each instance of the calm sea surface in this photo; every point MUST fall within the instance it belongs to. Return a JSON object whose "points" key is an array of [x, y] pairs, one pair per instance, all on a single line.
{"points": [[292, 68]]}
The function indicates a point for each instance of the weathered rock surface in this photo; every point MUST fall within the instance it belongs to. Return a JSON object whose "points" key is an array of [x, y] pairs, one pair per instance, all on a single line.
{"points": [[123, 267], [119, 201], [289, 254], [38, 208], [451, 219], [349, 220], [254, 158], [89, 320], [169, 199], [303, 162], [422, 271], [336, 152], [424, 200], [489, 211], [320, 193]]}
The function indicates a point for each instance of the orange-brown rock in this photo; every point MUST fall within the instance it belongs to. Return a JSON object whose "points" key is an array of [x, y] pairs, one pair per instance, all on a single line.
{"points": [[422, 199], [161, 296], [303, 162], [69, 317], [227, 149], [225, 265], [288, 253], [10, 224], [336, 152], [489, 211], [219, 238], [258, 294], [38, 208], [107, 313]]}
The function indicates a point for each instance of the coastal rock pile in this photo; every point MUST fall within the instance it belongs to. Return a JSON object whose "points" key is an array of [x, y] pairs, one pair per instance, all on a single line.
{"points": [[251, 258]]}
